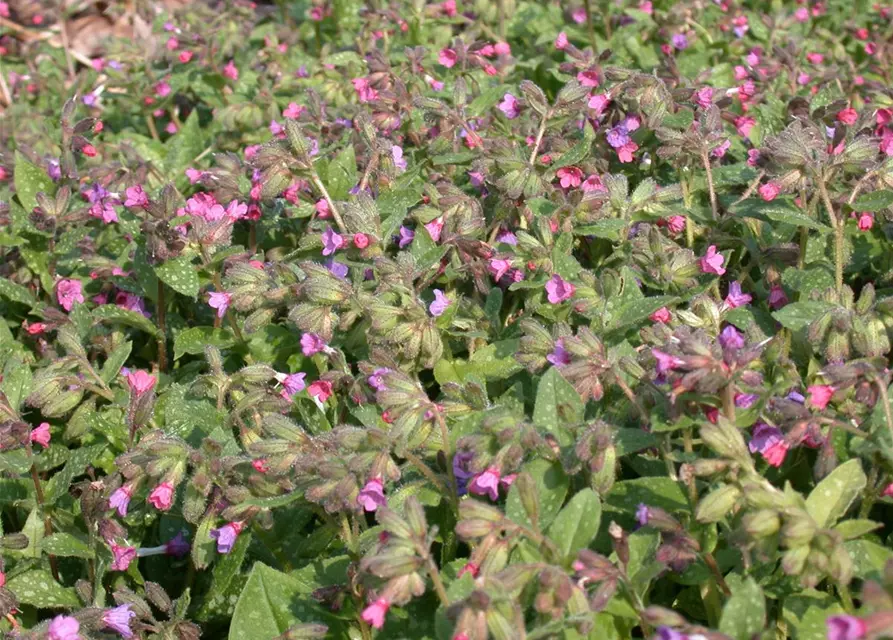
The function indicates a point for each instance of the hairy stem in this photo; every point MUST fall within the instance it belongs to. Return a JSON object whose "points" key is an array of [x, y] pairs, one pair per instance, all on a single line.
{"points": [[162, 329], [705, 159], [539, 139], [332, 208], [41, 501], [838, 226]]}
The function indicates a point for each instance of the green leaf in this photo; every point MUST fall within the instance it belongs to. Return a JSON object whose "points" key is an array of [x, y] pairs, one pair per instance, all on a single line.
{"points": [[114, 314], [16, 293], [557, 403], [782, 210], [16, 382], [187, 417], [30, 180], [77, 463], [204, 547], [38, 588], [65, 544], [805, 613], [577, 524], [272, 601], [461, 157], [744, 615], [654, 491], [552, 485], [342, 174], [608, 229], [869, 558], [224, 571], [180, 275], [797, 315], [831, 497], [577, 153], [638, 310], [857, 528], [194, 340], [628, 441], [184, 147], [112, 365], [874, 201]]}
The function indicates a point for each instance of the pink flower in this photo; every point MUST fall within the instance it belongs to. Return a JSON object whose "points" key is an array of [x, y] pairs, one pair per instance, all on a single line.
{"points": [[561, 41], [293, 111], [219, 300], [510, 106], [226, 536], [569, 177], [588, 78], [434, 228], [41, 435], [499, 267], [665, 361], [847, 116], [662, 315], [845, 627], [68, 292], [777, 297], [136, 197], [502, 49], [888, 491], [140, 382], [364, 90], [447, 57], [801, 14], [625, 153], [769, 442], [230, 71], [162, 496], [62, 627], [599, 103], [736, 298], [185, 56], [646, 7], [321, 390], [195, 175], [712, 261], [820, 395], [753, 157], [743, 125], [703, 97], [375, 613], [815, 58], [558, 289], [172, 44], [312, 344], [676, 224], [372, 496], [486, 483], [123, 556], [769, 191], [866, 221]]}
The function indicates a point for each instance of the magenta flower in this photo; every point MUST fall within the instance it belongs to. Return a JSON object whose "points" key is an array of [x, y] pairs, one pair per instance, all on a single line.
{"points": [[68, 292], [231, 71], [64, 628], [769, 442], [162, 496], [120, 499], [769, 191], [569, 177], [499, 267], [561, 41], [320, 390], [712, 261], [703, 97], [312, 344], [558, 290], [665, 361], [736, 298], [676, 224], [559, 356], [447, 57], [820, 395], [743, 125], [588, 78], [226, 536], [510, 106], [777, 297], [441, 302], [123, 556], [293, 111], [331, 241], [662, 315], [136, 197], [372, 496], [845, 627], [374, 614], [866, 221], [118, 619], [731, 338], [486, 483], [41, 435], [599, 103], [140, 382], [435, 228], [680, 42], [219, 300]]}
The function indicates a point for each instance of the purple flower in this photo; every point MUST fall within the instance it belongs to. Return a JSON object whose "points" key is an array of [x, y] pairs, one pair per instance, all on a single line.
{"points": [[559, 356], [371, 496], [397, 156], [736, 298], [89, 99], [120, 499], [406, 237], [796, 396], [226, 536], [618, 136], [731, 338], [486, 483], [375, 380], [118, 619], [666, 633], [331, 241], [845, 628], [338, 269], [745, 400], [558, 289], [460, 471], [292, 383], [441, 302], [642, 514], [665, 361], [507, 237], [312, 344], [510, 106], [64, 628], [177, 546], [680, 42], [220, 301]]}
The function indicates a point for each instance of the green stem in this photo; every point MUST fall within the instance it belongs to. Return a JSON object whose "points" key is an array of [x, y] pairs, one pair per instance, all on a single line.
{"points": [[539, 139], [885, 399], [705, 159], [325, 194], [162, 329], [838, 226], [438, 583], [590, 26], [41, 500], [728, 402]]}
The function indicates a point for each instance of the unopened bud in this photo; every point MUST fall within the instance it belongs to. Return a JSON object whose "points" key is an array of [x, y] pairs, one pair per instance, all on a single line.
{"points": [[717, 504], [761, 524]]}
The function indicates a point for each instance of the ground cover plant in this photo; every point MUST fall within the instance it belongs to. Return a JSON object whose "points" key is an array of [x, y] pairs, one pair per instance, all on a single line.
{"points": [[453, 320]]}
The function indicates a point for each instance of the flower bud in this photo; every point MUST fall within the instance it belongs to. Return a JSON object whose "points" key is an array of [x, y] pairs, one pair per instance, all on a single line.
{"points": [[527, 492], [798, 530], [726, 440], [659, 616], [717, 504], [761, 524]]}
